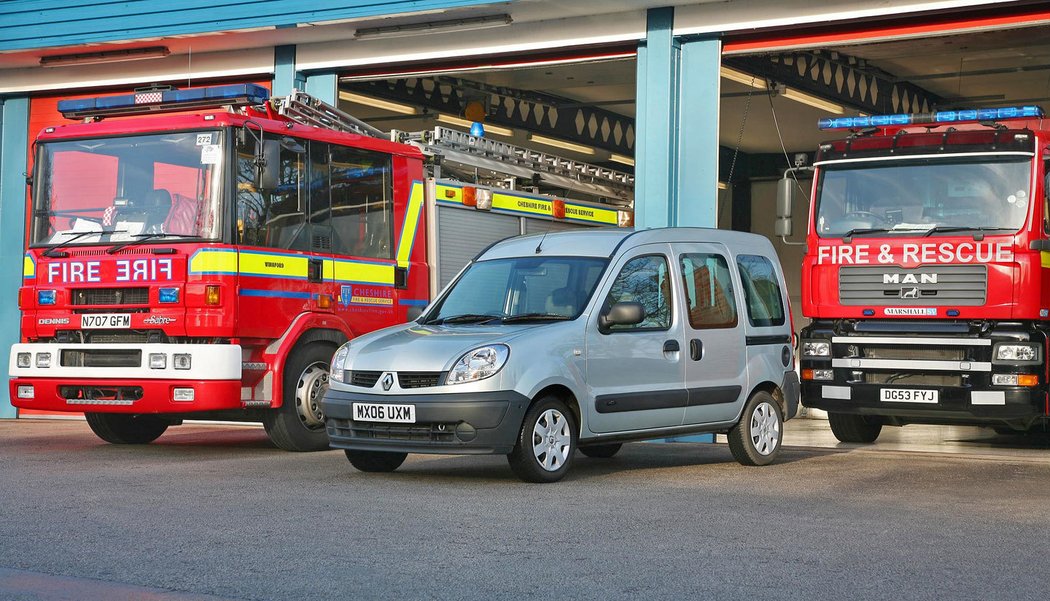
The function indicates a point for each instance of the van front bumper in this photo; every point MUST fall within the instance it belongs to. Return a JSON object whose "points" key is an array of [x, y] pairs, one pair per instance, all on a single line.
{"points": [[472, 423]]}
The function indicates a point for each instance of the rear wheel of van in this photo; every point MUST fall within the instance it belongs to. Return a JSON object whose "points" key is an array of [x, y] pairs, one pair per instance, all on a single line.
{"points": [[546, 442], [854, 428], [756, 438], [375, 461], [601, 451], [298, 424], [122, 428]]}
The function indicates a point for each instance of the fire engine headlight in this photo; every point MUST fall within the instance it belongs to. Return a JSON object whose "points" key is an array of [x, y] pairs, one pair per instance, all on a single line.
{"points": [[24, 360], [43, 360], [478, 364], [182, 361], [158, 361], [339, 363], [816, 348], [1013, 352], [45, 297]]}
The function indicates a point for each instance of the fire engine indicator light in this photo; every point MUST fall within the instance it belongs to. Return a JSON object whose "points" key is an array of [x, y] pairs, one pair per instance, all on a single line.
{"points": [[211, 295], [25, 360], [168, 295], [43, 360], [25, 391], [958, 116], [45, 297], [869, 312]]}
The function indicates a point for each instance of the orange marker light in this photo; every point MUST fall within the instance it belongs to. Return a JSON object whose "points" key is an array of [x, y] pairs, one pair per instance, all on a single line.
{"points": [[1027, 380], [211, 295], [470, 196], [324, 301], [807, 374]]}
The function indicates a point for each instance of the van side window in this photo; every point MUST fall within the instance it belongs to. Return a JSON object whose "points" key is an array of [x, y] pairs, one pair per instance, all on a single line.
{"points": [[761, 290], [709, 291], [644, 280]]}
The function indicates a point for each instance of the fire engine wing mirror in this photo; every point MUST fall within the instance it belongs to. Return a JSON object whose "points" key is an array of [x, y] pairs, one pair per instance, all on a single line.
{"points": [[785, 199], [268, 163], [621, 314]]}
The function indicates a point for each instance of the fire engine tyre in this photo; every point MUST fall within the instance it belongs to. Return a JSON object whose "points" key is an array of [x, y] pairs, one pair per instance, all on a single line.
{"points": [[375, 461], [756, 438], [601, 451], [854, 428], [122, 428], [546, 442], [298, 424]]}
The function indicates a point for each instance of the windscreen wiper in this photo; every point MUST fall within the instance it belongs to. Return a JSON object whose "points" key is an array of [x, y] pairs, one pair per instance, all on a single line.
{"points": [[465, 318], [536, 317], [140, 238], [864, 230], [54, 251], [941, 229]]}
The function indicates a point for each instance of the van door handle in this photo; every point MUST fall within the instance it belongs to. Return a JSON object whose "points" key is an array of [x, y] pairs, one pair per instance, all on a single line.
{"points": [[671, 346], [696, 349]]}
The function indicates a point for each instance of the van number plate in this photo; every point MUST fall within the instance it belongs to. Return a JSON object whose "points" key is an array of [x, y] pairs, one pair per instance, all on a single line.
{"points": [[374, 412], [906, 395], [105, 321]]}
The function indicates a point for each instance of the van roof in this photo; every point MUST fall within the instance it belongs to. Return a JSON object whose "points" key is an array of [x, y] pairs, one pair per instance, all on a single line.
{"points": [[604, 242]]}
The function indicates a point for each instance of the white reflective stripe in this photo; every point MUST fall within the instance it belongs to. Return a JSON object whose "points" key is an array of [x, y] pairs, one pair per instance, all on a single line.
{"points": [[916, 341], [208, 362], [912, 365], [906, 157], [987, 398], [836, 392]]}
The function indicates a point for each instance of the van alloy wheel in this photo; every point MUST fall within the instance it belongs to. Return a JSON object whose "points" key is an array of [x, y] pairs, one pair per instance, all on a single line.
{"points": [[756, 438], [546, 442], [765, 429], [551, 440]]}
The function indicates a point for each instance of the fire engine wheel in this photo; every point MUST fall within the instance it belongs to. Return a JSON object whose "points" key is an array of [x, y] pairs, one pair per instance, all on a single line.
{"points": [[854, 428], [123, 428], [756, 438], [298, 424]]}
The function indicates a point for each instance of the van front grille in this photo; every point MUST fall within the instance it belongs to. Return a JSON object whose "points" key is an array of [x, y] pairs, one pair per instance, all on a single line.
{"points": [[366, 379]]}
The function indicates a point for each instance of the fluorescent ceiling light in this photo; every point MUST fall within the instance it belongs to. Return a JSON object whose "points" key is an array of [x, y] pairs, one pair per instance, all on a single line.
{"points": [[580, 148], [386, 105], [813, 101], [105, 56], [619, 158], [489, 129], [457, 25], [723, 186], [745, 78]]}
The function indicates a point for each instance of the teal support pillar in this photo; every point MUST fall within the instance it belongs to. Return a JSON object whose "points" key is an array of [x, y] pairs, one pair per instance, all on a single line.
{"points": [[14, 140], [285, 77], [324, 86], [676, 173]]}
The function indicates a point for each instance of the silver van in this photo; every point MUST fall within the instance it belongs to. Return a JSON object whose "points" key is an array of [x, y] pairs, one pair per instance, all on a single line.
{"points": [[584, 339]]}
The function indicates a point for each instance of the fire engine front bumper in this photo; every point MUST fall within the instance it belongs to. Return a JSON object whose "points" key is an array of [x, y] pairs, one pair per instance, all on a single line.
{"points": [[125, 378], [1016, 408], [462, 423]]}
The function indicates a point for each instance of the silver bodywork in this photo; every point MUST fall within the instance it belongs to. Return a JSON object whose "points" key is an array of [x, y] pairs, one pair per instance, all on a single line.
{"points": [[575, 357]]}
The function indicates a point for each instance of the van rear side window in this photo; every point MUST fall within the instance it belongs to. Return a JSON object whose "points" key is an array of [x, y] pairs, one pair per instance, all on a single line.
{"points": [[761, 290], [709, 291]]}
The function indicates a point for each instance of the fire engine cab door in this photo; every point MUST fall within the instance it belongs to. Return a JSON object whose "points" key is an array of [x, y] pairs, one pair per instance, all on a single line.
{"points": [[635, 372], [715, 351]]}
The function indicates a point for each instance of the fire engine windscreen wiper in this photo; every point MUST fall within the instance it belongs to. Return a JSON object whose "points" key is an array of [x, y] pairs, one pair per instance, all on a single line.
{"points": [[535, 317], [941, 229], [140, 238], [465, 318], [54, 250], [864, 230]]}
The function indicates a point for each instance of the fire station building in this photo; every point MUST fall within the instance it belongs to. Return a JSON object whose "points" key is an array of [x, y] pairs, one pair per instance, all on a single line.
{"points": [[706, 103]]}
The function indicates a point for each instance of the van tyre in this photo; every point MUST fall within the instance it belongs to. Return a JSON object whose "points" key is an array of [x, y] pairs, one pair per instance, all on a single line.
{"points": [[756, 438], [854, 428], [375, 461], [601, 451], [546, 442], [123, 428], [298, 424]]}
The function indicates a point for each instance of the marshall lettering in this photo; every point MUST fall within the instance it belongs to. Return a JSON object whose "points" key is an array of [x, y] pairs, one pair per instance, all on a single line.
{"points": [[125, 270]]}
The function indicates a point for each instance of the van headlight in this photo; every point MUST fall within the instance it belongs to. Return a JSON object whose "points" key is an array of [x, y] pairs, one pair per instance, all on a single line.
{"points": [[816, 348], [339, 363], [478, 364]]}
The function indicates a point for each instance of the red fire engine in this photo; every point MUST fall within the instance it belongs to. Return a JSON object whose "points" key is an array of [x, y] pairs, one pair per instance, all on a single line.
{"points": [[206, 264], [925, 272]]}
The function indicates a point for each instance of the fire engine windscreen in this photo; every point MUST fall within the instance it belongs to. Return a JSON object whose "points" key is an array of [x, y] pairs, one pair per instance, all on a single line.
{"points": [[150, 187], [930, 195]]}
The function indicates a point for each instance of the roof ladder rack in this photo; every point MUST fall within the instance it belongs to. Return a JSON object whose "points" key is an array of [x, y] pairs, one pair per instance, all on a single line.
{"points": [[307, 110]]}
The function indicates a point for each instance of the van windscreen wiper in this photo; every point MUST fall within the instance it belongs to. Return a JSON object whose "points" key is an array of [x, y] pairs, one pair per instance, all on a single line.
{"points": [[536, 317], [466, 318]]}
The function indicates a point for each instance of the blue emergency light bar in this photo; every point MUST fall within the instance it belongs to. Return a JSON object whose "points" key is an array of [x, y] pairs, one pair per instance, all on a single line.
{"points": [[157, 101], [959, 116]]}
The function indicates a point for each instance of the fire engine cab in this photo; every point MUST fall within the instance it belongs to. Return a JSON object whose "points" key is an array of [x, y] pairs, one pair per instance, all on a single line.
{"points": [[927, 272], [203, 256]]}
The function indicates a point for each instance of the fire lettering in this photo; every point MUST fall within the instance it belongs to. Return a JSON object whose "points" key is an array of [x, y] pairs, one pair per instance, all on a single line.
{"points": [[918, 254]]}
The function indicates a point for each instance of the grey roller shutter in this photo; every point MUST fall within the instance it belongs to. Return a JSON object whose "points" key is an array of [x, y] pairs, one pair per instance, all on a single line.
{"points": [[540, 226], [462, 234]]}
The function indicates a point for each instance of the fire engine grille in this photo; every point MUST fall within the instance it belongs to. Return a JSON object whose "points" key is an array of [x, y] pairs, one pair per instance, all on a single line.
{"points": [[408, 432], [913, 379], [926, 286], [419, 379], [367, 379], [110, 296], [102, 358], [915, 353]]}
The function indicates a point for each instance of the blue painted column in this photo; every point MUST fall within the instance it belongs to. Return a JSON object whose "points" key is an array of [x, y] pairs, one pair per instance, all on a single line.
{"points": [[323, 86], [697, 152], [285, 77], [14, 139]]}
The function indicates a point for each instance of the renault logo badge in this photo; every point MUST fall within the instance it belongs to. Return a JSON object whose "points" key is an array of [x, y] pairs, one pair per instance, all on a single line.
{"points": [[388, 381]]}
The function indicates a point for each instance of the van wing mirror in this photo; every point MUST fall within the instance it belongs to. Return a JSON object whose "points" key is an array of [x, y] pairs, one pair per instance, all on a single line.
{"points": [[267, 164], [622, 314], [785, 199]]}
